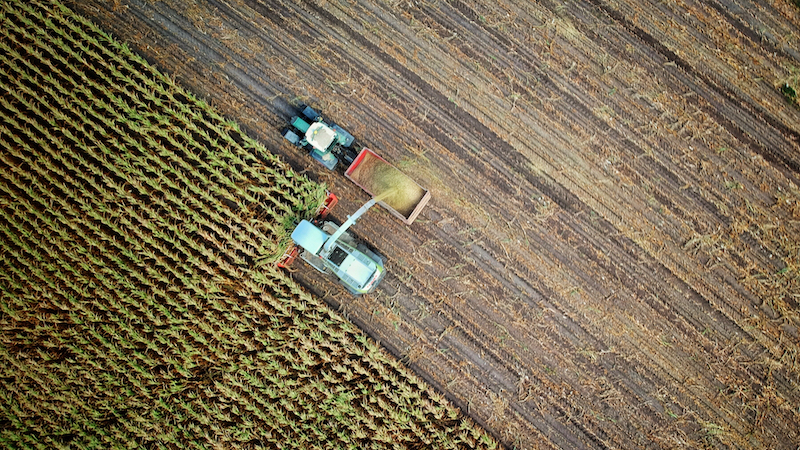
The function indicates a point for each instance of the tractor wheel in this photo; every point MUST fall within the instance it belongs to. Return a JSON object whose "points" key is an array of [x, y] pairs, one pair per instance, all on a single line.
{"points": [[290, 136], [309, 113]]}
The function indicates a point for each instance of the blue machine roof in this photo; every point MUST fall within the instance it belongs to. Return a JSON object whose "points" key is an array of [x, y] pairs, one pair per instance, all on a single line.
{"points": [[309, 237]]}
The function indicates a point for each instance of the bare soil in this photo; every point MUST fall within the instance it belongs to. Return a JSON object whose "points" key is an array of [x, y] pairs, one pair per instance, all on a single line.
{"points": [[610, 256]]}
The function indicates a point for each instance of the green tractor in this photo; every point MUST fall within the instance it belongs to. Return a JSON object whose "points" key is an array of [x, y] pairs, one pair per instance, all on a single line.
{"points": [[327, 143]]}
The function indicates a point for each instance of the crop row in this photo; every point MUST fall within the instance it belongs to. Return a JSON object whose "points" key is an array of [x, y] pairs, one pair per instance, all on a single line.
{"points": [[70, 110], [139, 303]]}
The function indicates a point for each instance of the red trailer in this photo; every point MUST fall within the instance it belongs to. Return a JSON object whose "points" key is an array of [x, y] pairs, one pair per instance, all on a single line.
{"points": [[397, 192]]}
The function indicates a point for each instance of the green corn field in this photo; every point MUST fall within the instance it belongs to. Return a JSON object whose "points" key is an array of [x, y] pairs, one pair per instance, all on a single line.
{"points": [[140, 306]]}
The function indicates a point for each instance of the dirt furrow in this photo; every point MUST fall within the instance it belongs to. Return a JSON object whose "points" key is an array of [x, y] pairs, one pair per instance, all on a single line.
{"points": [[775, 141]]}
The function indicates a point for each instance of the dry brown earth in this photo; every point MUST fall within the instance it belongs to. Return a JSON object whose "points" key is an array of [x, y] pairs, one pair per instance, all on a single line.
{"points": [[610, 258]]}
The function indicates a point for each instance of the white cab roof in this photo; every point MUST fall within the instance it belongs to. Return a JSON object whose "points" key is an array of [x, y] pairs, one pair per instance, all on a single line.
{"points": [[320, 136], [309, 237]]}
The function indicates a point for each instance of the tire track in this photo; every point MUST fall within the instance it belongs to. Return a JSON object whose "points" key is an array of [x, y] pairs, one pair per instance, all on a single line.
{"points": [[746, 30]]}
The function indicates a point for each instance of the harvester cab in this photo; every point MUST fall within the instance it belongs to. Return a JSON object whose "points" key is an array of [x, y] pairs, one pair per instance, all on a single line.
{"points": [[331, 249]]}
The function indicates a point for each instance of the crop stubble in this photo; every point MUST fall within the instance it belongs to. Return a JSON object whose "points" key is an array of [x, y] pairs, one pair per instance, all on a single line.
{"points": [[610, 255]]}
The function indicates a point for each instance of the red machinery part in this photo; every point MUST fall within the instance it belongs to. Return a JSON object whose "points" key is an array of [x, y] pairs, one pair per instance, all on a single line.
{"points": [[330, 201], [288, 258]]}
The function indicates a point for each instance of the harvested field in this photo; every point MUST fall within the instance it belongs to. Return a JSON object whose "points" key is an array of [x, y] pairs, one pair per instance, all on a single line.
{"points": [[610, 256]]}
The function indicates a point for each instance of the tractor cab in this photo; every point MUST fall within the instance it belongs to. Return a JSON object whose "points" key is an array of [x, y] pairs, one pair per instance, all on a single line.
{"points": [[327, 143], [320, 136]]}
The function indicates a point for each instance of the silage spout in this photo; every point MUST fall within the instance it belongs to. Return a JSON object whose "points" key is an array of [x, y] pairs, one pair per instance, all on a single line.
{"points": [[351, 220]]}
